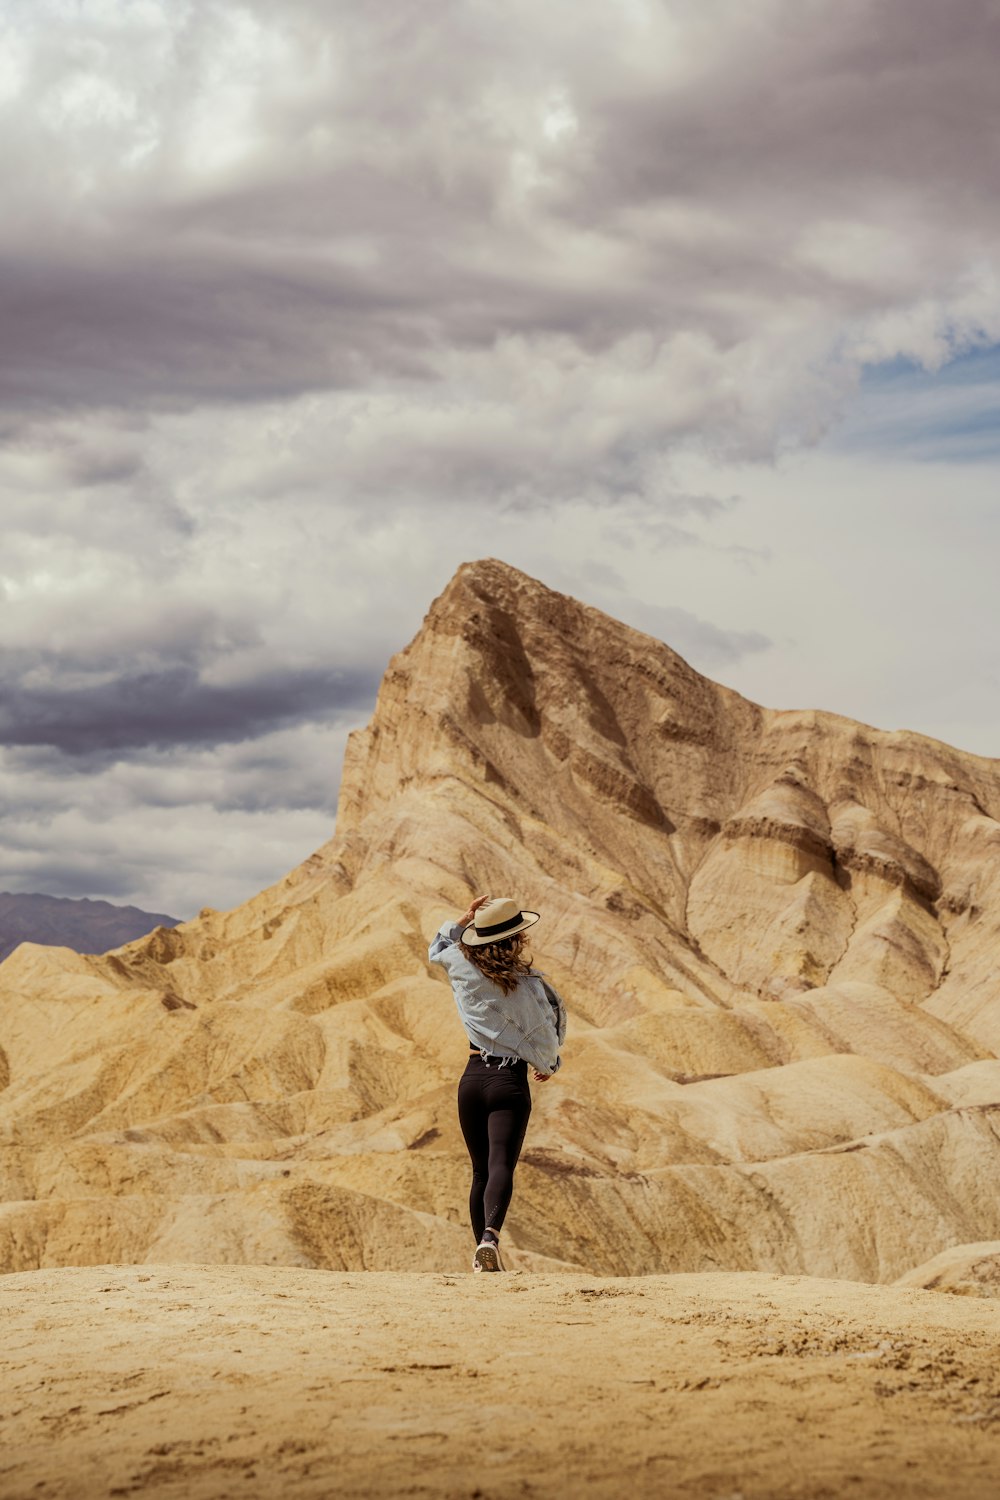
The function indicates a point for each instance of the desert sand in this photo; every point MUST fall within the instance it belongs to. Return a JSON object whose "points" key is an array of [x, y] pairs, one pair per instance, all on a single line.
{"points": [[209, 1382]]}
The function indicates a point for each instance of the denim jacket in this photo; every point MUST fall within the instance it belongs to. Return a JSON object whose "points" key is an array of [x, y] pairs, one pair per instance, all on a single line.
{"points": [[530, 1022]]}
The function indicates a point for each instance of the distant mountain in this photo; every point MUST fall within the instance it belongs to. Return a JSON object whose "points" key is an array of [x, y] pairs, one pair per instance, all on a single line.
{"points": [[86, 926]]}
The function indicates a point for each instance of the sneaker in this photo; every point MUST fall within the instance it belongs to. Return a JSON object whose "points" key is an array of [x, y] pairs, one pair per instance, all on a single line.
{"points": [[488, 1257]]}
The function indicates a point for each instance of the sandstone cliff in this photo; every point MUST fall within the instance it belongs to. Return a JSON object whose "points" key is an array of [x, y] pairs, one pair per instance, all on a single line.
{"points": [[775, 931]]}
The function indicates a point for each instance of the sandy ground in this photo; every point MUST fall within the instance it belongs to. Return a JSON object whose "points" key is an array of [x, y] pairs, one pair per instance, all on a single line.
{"points": [[203, 1382]]}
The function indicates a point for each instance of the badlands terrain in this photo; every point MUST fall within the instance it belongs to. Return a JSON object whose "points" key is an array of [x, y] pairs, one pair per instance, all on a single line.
{"points": [[776, 935]]}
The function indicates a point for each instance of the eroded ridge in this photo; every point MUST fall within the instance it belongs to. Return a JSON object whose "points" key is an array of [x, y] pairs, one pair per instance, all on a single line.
{"points": [[776, 932]]}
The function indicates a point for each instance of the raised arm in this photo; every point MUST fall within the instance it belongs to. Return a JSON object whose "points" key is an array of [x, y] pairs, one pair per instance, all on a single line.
{"points": [[450, 933], [466, 921]]}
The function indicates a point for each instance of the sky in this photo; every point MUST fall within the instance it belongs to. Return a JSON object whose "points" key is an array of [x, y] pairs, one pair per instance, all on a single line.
{"points": [[690, 308]]}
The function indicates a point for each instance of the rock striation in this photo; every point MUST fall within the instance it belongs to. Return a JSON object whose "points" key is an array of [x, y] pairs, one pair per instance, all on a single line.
{"points": [[775, 932]]}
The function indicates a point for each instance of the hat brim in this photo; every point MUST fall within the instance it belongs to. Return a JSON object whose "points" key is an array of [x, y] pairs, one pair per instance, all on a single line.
{"points": [[472, 939]]}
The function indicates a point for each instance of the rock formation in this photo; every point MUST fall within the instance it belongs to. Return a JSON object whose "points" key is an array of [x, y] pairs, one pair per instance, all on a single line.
{"points": [[968, 1270], [775, 932]]}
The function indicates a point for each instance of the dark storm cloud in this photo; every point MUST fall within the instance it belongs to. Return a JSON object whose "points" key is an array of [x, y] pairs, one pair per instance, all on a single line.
{"points": [[234, 203], [277, 771], [303, 305], [78, 877], [139, 328], [171, 706], [857, 99]]}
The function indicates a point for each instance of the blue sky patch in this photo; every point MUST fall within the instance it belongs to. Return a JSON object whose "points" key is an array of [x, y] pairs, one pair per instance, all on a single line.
{"points": [[949, 415]]}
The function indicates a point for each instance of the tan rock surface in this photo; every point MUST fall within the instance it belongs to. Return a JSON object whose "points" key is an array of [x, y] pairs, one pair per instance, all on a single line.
{"points": [[204, 1383], [969, 1270], [776, 932]]}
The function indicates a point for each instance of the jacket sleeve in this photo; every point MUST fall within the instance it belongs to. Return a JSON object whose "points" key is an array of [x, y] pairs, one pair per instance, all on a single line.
{"points": [[446, 937]]}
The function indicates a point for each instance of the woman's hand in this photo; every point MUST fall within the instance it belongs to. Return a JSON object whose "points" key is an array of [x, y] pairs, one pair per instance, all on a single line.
{"points": [[540, 1077], [466, 921]]}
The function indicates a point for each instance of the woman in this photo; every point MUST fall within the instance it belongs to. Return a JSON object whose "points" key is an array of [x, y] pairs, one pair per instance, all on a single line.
{"points": [[512, 1018]]}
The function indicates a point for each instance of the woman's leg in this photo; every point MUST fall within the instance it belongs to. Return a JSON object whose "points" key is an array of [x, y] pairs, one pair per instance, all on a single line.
{"points": [[506, 1126], [473, 1117]]}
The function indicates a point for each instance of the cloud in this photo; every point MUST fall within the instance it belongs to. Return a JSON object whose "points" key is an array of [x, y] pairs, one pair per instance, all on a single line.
{"points": [[173, 706], [305, 305], [229, 203], [173, 829]]}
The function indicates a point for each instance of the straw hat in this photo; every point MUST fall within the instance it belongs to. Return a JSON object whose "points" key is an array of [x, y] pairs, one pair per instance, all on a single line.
{"points": [[498, 918]]}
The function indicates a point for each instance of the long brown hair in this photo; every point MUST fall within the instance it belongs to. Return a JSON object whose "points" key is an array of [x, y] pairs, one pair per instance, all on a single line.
{"points": [[505, 961]]}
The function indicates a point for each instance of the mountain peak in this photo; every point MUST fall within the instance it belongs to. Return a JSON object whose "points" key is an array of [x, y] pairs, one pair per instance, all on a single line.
{"points": [[775, 932], [511, 684], [505, 591]]}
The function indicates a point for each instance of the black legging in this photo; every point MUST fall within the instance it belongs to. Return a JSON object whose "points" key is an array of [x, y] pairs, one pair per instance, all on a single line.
{"points": [[494, 1103]]}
